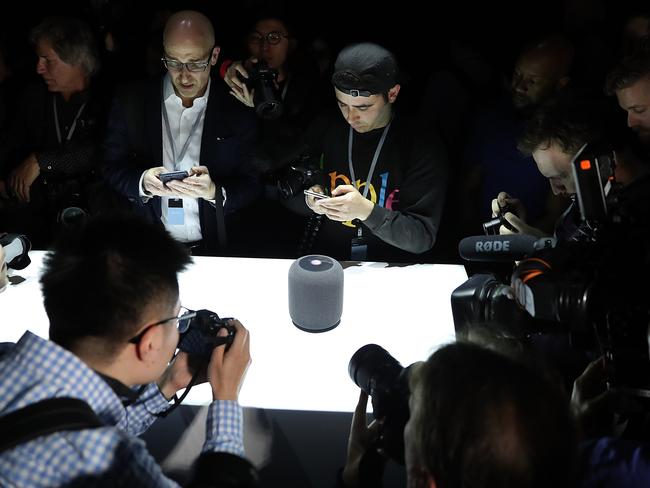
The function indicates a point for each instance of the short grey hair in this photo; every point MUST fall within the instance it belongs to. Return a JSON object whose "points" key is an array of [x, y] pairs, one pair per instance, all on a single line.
{"points": [[72, 39]]}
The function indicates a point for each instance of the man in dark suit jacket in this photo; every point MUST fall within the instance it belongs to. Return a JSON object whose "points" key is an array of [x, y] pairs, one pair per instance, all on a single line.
{"points": [[183, 122]]}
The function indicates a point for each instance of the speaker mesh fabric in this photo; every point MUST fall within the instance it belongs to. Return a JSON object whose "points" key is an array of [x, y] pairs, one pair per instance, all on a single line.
{"points": [[316, 293]]}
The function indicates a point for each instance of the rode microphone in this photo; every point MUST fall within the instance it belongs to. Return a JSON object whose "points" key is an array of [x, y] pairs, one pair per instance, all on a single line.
{"points": [[503, 248]]}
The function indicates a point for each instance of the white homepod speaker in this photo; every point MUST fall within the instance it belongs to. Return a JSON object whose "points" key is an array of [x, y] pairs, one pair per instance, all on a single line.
{"points": [[316, 293]]}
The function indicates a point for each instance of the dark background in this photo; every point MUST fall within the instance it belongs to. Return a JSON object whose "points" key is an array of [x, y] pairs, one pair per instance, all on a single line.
{"points": [[418, 38]]}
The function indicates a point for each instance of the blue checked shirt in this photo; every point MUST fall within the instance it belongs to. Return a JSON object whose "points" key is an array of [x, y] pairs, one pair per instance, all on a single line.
{"points": [[35, 369]]}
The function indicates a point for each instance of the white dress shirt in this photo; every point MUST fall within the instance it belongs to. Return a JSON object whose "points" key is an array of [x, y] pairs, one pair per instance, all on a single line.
{"points": [[181, 119]]}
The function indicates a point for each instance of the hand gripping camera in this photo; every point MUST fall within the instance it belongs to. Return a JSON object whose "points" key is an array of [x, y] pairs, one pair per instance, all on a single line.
{"points": [[386, 381], [266, 99], [199, 332], [491, 227]]}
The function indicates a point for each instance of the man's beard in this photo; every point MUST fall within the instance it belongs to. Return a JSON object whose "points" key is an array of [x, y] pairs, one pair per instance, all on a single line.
{"points": [[644, 136]]}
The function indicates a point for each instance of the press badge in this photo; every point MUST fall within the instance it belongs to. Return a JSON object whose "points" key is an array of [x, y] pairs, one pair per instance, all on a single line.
{"points": [[359, 247], [175, 213]]}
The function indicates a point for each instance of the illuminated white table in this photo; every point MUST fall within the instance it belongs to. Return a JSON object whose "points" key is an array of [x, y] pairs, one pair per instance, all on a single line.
{"points": [[406, 310]]}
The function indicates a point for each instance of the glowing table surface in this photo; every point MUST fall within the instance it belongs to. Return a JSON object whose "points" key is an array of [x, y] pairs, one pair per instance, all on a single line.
{"points": [[405, 309]]}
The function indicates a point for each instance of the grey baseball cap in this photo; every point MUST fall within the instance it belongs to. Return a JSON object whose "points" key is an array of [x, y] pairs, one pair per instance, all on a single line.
{"points": [[365, 69]]}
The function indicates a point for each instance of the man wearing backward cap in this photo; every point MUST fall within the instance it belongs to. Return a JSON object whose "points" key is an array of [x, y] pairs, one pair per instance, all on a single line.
{"points": [[387, 179]]}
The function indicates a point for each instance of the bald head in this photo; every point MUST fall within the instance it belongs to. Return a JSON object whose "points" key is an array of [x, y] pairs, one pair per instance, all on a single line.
{"points": [[553, 53], [541, 70], [189, 26]]}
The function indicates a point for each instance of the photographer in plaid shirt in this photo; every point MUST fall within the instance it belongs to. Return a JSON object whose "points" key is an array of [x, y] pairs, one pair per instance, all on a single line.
{"points": [[111, 294]]}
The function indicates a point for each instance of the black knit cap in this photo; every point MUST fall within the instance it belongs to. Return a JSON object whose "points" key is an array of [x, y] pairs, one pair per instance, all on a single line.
{"points": [[365, 69]]}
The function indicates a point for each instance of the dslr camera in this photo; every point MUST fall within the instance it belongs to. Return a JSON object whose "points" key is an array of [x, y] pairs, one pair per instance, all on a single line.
{"points": [[266, 99], [293, 179], [199, 332], [386, 381]]}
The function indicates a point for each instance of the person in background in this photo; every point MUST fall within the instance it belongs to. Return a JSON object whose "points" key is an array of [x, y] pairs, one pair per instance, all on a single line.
{"points": [[50, 152], [273, 45], [492, 161]]}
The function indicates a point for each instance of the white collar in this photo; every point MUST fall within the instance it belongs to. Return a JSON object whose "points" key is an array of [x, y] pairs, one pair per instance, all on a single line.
{"points": [[168, 92]]}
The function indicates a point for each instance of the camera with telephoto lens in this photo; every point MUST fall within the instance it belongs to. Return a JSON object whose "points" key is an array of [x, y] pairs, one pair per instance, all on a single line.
{"points": [[584, 287], [201, 333], [386, 381], [266, 99]]}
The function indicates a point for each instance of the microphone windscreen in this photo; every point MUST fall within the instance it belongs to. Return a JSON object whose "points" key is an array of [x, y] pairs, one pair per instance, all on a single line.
{"points": [[497, 248], [316, 293]]}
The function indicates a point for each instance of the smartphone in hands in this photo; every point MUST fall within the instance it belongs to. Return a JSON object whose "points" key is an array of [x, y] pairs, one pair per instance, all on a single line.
{"points": [[316, 195], [174, 175]]}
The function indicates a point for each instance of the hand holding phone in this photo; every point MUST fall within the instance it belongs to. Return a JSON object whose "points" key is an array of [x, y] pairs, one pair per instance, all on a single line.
{"points": [[316, 195], [174, 175]]}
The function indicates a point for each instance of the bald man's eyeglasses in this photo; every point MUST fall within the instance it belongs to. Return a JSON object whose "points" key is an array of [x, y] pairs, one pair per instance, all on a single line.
{"points": [[193, 67]]}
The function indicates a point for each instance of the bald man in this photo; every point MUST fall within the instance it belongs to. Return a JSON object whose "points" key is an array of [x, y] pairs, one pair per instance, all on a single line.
{"points": [[183, 123]]}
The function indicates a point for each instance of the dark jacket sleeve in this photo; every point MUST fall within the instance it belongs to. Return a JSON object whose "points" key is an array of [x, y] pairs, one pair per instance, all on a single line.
{"points": [[414, 227], [244, 184], [223, 470], [119, 169], [15, 139]]}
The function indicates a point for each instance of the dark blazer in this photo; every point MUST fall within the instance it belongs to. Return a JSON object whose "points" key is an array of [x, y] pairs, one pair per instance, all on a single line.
{"points": [[133, 143]]}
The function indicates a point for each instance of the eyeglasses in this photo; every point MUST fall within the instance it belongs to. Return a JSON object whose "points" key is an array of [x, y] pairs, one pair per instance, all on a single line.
{"points": [[183, 320], [272, 38], [193, 67]]}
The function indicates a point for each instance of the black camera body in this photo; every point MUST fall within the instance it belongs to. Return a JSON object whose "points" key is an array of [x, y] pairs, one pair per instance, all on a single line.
{"points": [[266, 99], [384, 379], [491, 227], [201, 337], [586, 286], [292, 180]]}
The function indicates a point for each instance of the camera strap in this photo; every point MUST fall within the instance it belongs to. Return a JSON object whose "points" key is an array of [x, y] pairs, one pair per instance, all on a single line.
{"points": [[285, 87], [44, 418], [375, 158], [178, 400], [72, 127]]}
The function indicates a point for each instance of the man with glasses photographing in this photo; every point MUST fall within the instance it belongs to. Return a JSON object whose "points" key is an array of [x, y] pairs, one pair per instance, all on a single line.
{"points": [[112, 300], [183, 123]]}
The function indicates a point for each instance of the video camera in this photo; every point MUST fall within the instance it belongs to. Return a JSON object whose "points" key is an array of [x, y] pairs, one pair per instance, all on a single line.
{"points": [[585, 284], [386, 381], [266, 99]]}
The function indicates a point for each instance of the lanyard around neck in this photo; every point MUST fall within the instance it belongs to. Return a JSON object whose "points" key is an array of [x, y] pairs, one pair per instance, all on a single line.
{"points": [[375, 157], [178, 158], [74, 122], [285, 87]]}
